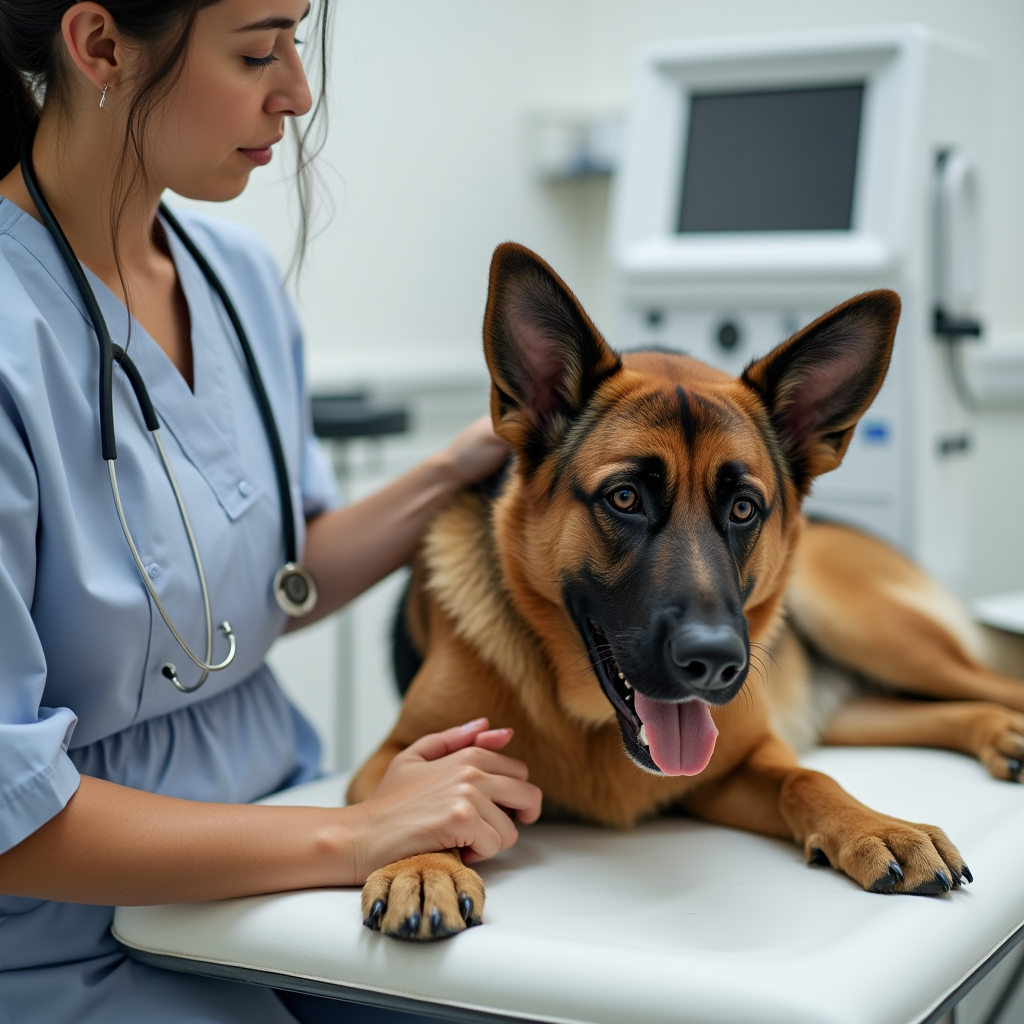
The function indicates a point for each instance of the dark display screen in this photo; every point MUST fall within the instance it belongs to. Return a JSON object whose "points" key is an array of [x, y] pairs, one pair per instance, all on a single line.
{"points": [[783, 160]]}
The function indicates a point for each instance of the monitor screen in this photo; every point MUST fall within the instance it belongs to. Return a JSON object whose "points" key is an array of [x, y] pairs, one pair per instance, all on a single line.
{"points": [[780, 160]]}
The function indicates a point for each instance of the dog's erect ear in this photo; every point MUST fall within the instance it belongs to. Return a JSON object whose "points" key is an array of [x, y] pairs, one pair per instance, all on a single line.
{"points": [[545, 355], [817, 385]]}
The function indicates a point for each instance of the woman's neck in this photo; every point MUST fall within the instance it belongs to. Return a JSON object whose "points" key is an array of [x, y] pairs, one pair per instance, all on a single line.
{"points": [[77, 166], [76, 161]]}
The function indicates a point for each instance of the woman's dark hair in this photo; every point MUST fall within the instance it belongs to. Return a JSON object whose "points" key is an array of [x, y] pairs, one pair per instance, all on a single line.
{"points": [[33, 70]]}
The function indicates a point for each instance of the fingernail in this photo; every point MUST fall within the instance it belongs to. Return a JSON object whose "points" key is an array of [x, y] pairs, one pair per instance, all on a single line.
{"points": [[475, 724]]}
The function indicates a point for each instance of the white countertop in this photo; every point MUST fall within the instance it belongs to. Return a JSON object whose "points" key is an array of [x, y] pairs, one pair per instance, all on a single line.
{"points": [[677, 921]]}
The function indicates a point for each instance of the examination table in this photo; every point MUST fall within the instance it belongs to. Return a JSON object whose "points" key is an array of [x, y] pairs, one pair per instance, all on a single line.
{"points": [[677, 921]]}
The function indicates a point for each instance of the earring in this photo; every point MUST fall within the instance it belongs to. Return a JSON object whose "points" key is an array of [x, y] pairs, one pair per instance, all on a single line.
{"points": [[103, 97]]}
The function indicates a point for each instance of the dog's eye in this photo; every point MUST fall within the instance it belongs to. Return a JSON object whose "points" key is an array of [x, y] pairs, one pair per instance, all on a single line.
{"points": [[625, 499], [742, 511]]}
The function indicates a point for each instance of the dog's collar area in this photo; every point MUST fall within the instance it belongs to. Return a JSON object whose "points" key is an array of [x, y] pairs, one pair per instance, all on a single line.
{"points": [[622, 696]]}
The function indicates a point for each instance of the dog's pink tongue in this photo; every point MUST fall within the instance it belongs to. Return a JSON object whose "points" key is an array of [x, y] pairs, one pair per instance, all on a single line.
{"points": [[681, 736]]}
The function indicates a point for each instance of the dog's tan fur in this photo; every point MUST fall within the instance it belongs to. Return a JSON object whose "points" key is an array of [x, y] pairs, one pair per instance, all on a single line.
{"points": [[487, 612]]}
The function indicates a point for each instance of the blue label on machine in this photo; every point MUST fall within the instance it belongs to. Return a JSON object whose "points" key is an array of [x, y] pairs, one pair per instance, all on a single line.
{"points": [[875, 431]]}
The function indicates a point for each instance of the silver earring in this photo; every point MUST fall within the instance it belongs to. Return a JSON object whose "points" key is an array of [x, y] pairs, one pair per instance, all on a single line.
{"points": [[103, 97]]}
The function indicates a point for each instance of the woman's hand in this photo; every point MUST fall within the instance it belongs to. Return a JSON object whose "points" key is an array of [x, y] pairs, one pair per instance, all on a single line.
{"points": [[448, 790], [351, 548], [476, 452]]}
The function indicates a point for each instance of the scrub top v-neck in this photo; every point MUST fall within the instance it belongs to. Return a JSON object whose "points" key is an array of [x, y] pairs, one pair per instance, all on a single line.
{"points": [[81, 689]]}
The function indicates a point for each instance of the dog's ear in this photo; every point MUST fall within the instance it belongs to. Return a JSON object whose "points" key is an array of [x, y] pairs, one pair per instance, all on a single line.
{"points": [[545, 356], [817, 385]]}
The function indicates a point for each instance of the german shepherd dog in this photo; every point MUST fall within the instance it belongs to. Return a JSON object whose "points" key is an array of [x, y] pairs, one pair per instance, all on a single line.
{"points": [[644, 549]]}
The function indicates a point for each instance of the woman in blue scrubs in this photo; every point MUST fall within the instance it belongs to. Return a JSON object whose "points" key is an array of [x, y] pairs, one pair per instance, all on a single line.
{"points": [[116, 788]]}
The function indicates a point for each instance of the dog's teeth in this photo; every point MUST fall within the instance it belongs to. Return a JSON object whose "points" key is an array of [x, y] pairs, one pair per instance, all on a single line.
{"points": [[622, 675], [643, 735], [629, 685]]}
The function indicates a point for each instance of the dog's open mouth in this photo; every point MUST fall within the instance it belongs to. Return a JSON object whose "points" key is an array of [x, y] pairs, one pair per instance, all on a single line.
{"points": [[673, 739]]}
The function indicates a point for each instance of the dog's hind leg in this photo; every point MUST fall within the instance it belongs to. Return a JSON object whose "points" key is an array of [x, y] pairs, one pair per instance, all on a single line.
{"points": [[862, 604], [992, 733]]}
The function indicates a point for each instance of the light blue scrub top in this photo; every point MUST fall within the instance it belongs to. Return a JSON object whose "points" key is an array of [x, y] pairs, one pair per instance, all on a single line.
{"points": [[81, 645]]}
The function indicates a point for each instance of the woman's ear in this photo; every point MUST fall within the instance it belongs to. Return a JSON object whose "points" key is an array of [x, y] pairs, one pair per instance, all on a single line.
{"points": [[819, 383], [545, 356], [93, 44]]}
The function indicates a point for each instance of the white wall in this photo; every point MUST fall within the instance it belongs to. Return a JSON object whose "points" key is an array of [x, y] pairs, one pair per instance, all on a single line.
{"points": [[427, 167]]}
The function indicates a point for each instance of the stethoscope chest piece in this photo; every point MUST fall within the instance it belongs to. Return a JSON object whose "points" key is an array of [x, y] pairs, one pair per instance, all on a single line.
{"points": [[295, 590]]}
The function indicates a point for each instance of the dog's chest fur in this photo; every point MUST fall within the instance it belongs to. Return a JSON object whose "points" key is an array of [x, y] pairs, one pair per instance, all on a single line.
{"points": [[581, 766]]}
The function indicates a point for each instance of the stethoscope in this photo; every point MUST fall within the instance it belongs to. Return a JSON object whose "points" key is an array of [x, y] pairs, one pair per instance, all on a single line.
{"points": [[294, 587]]}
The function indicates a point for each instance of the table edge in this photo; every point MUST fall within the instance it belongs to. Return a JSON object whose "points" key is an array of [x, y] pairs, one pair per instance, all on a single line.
{"points": [[465, 1014], [328, 989], [994, 958]]}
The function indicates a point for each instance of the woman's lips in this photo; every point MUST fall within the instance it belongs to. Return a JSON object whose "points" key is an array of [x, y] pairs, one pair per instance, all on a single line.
{"points": [[259, 156]]}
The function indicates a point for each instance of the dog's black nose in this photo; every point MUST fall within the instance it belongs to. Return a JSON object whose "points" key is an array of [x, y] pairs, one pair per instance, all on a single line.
{"points": [[707, 657]]}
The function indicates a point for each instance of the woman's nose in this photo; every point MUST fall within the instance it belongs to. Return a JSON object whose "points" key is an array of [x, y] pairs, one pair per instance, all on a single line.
{"points": [[293, 96]]}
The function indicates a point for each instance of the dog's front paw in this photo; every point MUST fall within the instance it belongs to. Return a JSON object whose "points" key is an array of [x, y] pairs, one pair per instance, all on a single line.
{"points": [[429, 896], [888, 855]]}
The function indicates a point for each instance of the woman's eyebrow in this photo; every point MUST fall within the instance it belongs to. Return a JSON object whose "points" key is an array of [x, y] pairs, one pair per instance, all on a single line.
{"points": [[279, 22]]}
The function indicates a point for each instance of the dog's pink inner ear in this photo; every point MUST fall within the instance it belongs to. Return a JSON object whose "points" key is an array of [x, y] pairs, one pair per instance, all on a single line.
{"points": [[544, 368], [812, 397]]}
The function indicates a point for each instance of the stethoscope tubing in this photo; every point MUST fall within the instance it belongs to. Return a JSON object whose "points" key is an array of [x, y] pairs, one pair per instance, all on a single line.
{"points": [[111, 353]]}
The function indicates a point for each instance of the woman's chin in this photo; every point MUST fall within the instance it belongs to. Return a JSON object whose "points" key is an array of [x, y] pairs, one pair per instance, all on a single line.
{"points": [[217, 189]]}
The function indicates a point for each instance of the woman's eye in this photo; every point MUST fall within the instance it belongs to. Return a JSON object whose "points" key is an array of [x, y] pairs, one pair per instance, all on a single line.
{"points": [[625, 499], [261, 62], [742, 511]]}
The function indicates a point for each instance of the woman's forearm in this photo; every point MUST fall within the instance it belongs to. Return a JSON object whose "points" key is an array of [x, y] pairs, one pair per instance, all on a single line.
{"points": [[352, 548], [114, 845]]}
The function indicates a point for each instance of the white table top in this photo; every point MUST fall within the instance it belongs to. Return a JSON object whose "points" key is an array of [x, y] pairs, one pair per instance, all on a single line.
{"points": [[676, 921], [1004, 611]]}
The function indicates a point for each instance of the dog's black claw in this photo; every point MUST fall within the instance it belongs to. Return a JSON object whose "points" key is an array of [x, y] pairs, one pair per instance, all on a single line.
{"points": [[410, 926], [466, 909], [438, 928], [939, 884], [1014, 767], [376, 913], [888, 881], [819, 856], [965, 872]]}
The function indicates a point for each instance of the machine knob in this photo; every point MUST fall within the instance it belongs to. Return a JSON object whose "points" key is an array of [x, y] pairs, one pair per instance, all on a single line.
{"points": [[728, 336]]}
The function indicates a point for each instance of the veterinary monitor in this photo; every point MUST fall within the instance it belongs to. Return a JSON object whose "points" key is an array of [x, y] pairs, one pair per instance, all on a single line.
{"points": [[763, 181]]}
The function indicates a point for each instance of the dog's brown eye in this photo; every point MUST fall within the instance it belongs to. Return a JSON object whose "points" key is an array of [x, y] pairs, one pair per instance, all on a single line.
{"points": [[742, 511], [625, 499]]}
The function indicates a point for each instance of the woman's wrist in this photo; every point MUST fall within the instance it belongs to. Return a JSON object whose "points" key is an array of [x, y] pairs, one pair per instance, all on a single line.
{"points": [[446, 473]]}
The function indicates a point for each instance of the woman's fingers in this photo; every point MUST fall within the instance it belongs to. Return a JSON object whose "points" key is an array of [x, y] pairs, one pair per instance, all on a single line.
{"points": [[493, 739], [492, 763], [439, 744], [521, 797], [500, 823]]}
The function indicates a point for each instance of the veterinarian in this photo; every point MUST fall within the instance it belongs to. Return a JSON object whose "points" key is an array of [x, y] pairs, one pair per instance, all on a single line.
{"points": [[120, 781]]}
